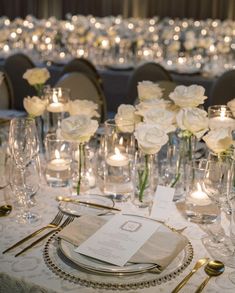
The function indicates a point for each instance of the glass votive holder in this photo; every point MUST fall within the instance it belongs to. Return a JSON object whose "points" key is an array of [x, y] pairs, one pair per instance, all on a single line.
{"points": [[199, 207], [118, 162], [220, 116], [58, 99], [58, 161]]}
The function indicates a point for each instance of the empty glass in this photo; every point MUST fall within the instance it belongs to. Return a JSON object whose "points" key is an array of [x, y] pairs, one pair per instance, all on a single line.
{"points": [[23, 146]]}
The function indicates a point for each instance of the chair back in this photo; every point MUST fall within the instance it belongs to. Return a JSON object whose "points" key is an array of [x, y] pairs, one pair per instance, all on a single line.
{"points": [[6, 94], [82, 65], [84, 87], [15, 66], [168, 87], [223, 89], [148, 71]]}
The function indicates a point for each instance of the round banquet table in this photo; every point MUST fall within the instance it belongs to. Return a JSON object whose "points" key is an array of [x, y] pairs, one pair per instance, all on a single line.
{"points": [[29, 273]]}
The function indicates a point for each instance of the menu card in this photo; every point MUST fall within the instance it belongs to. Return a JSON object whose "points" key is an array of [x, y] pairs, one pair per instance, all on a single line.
{"points": [[162, 200], [119, 239]]}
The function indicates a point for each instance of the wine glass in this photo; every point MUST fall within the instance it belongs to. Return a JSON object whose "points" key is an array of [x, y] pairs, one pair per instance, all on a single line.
{"points": [[217, 185], [23, 146]]}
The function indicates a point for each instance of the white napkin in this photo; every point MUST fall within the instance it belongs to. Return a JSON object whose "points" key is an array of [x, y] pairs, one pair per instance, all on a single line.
{"points": [[161, 248]]}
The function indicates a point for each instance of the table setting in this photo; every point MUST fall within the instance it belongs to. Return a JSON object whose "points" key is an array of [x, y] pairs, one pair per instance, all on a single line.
{"points": [[141, 203]]}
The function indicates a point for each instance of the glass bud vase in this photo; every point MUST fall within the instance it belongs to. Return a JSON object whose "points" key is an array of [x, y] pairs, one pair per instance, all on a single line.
{"points": [[83, 177], [145, 175], [186, 147]]}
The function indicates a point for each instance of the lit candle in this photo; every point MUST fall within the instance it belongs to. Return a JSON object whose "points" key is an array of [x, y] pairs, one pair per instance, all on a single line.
{"points": [[118, 159], [56, 106], [222, 121], [58, 164], [199, 197]]}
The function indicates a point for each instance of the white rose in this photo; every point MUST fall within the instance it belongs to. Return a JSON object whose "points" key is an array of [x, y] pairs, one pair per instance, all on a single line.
{"points": [[78, 128], [231, 105], [150, 138], [126, 119], [219, 140], [149, 90], [84, 107], [188, 96], [34, 106], [194, 120], [36, 76], [152, 104], [162, 118]]}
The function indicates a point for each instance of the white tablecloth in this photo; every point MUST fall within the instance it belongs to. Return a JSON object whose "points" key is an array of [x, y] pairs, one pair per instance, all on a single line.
{"points": [[28, 272]]}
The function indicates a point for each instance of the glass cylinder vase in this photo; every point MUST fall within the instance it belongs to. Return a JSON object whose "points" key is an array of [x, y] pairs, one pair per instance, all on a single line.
{"points": [[119, 145], [199, 207]]}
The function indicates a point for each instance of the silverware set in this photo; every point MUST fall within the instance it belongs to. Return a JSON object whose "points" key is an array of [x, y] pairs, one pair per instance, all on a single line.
{"points": [[213, 268], [54, 225]]}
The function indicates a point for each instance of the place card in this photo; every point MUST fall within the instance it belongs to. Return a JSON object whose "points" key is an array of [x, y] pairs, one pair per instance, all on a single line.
{"points": [[119, 239], [162, 199]]}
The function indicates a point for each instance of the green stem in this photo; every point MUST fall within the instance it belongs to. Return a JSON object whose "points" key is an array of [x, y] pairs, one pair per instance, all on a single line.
{"points": [[143, 178], [81, 153]]}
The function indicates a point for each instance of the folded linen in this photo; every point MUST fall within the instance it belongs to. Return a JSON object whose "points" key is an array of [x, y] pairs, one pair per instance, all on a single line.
{"points": [[161, 248]]}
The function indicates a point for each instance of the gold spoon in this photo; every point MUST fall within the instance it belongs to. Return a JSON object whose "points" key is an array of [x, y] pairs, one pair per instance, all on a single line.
{"points": [[214, 268], [197, 266], [5, 210]]}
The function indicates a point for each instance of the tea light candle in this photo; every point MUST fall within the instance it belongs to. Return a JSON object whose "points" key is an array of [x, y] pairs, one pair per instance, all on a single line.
{"points": [[58, 164], [117, 159], [221, 122], [199, 197], [55, 107]]}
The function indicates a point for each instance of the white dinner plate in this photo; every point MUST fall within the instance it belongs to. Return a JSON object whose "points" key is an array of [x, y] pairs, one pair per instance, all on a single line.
{"points": [[98, 266], [78, 209]]}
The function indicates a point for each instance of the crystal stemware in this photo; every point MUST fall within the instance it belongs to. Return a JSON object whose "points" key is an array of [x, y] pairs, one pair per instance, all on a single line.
{"points": [[23, 146]]}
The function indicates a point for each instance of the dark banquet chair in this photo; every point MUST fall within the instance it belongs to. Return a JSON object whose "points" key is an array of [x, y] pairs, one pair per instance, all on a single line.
{"points": [[82, 65], [15, 66], [148, 71], [84, 87], [223, 89], [6, 92]]}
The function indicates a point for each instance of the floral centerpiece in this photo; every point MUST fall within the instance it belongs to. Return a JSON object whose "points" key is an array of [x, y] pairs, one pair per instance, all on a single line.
{"points": [[192, 123], [78, 129]]}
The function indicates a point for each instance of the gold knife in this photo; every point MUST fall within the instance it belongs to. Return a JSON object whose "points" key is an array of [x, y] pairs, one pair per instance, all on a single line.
{"points": [[92, 204], [197, 266]]}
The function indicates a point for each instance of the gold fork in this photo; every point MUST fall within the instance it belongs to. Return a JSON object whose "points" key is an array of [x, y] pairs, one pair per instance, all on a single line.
{"points": [[64, 224], [53, 224]]}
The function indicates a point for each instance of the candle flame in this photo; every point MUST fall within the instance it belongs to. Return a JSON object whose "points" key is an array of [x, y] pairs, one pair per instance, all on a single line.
{"points": [[55, 98], [117, 151], [223, 112], [57, 154], [199, 188]]}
